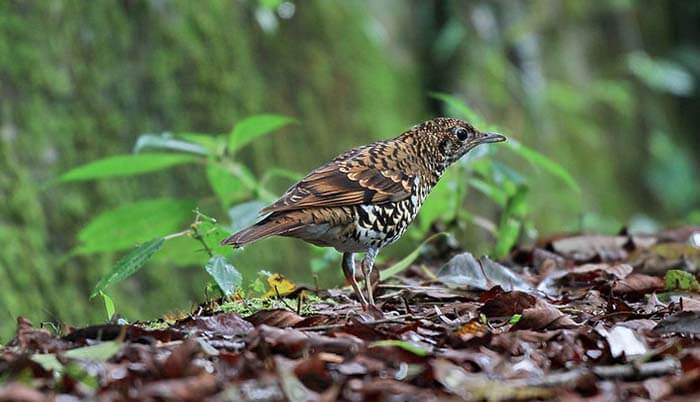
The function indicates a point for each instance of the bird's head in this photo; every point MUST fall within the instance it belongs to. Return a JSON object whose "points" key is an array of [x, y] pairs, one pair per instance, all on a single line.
{"points": [[452, 138]]}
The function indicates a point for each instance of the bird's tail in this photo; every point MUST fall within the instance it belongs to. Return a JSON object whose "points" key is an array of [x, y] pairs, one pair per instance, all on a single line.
{"points": [[266, 228]]}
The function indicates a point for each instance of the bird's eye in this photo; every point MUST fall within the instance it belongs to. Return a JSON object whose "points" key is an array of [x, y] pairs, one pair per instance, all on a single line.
{"points": [[461, 133]]}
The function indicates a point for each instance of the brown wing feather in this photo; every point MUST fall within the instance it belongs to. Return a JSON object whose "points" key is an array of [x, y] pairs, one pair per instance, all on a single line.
{"points": [[349, 180]]}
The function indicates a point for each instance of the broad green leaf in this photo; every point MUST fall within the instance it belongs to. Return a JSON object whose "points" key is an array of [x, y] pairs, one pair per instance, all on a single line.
{"points": [[168, 142], [226, 276], [181, 252], [407, 260], [121, 228], [128, 265], [544, 162], [109, 305], [126, 165], [675, 279], [225, 185], [250, 128], [405, 345]]}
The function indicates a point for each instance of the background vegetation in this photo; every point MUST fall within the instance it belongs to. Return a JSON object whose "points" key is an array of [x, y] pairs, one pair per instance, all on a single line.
{"points": [[608, 89]]}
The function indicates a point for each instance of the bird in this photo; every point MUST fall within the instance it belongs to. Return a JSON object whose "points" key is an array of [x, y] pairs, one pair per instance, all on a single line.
{"points": [[365, 198]]}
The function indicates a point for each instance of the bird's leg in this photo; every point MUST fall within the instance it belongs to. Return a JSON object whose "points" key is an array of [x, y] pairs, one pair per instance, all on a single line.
{"points": [[349, 271], [367, 265]]}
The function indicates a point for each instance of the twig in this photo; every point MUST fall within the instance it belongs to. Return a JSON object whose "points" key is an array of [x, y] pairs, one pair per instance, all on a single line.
{"points": [[621, 371], [398, 318]]}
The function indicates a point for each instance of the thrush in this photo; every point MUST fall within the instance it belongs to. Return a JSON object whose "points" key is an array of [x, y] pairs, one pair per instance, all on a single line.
{"points": [[365, 198]]}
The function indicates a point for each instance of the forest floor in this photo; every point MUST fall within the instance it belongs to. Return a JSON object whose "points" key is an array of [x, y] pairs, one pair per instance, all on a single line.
{"points": [[588, 317]]}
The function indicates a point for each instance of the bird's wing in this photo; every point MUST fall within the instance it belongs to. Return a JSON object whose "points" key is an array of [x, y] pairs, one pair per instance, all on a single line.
{"points": [[364, 175]]}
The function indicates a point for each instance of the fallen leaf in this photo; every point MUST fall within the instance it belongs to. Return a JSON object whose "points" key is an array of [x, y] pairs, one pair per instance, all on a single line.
{"points": [[227, 324], [588, 247], [279, 285], [179, 389], [622, 341], [463, 270], [293, 388], [638, 284], [16, 392], [507, 304], [543, 316], [276, 318], [685, 322], [471, 329]]}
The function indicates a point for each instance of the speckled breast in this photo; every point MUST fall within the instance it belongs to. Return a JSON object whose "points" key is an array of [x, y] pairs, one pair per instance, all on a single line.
{"points": [[378, 225]]}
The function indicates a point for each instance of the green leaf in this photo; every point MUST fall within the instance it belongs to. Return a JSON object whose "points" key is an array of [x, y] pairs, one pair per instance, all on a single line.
{"points": [[125, 165], [214, 145], [407, 260], [507, 235], [109, 305], [121, 228], [226, 275], [542, 161], [225, 185], [128, 265], [48, 361], [514, 319], [405, 345], [212, 234], [168, 142], [675, 279], [100, 352], [250, 128]]}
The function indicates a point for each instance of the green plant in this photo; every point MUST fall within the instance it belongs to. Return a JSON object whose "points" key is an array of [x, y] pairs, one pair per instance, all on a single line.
{"points": [[151, 223]]}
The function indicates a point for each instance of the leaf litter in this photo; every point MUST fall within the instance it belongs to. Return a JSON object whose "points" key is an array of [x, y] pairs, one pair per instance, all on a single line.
{"points": [[573, 318]]}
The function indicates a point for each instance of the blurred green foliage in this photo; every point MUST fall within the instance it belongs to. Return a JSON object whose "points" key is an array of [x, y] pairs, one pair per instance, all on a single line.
{"points": [[608, 89]]}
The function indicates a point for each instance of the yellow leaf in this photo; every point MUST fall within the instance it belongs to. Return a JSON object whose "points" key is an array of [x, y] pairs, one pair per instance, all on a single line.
{"points": [[279, 284]]}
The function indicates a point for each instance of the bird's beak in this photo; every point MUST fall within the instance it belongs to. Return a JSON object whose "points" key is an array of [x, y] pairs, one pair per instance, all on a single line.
{"points": [[491, 137]]}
